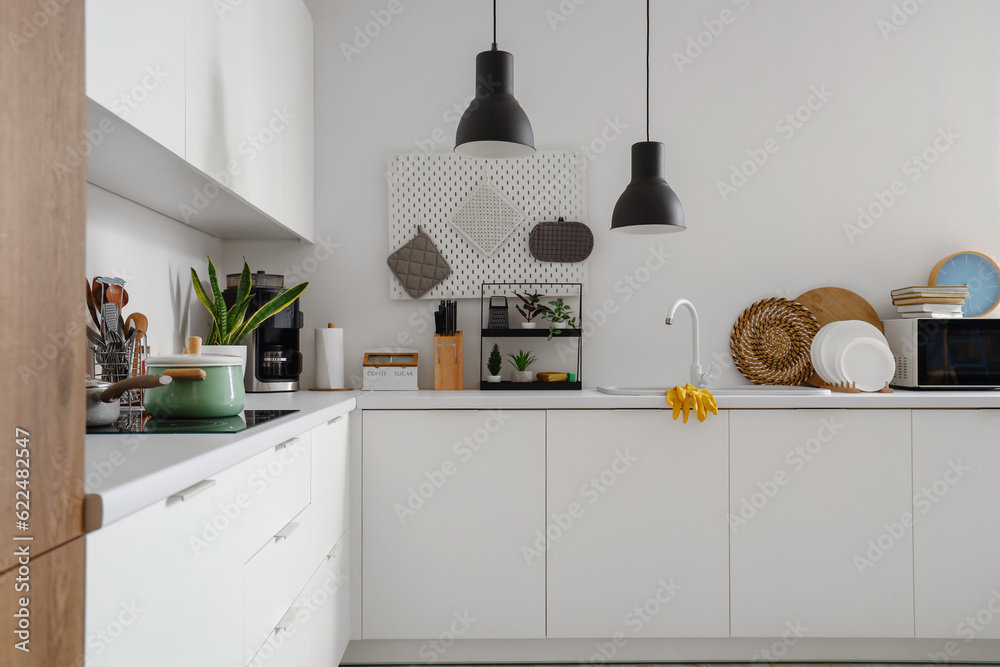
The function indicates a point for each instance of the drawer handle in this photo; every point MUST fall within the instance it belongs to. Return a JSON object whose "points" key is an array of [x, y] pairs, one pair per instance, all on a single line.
{"points": [[284, 444], [335, 420], [192, 491], [287, 620], [286, 532], [335, 551]]}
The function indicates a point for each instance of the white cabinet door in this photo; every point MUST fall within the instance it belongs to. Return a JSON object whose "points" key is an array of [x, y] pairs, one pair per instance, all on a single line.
{"points": [[165, 587], [235, 121], [956, 465], [819, 506], [330, 485], [450, 499], [297, 98], [638, 539], [135, 65]]}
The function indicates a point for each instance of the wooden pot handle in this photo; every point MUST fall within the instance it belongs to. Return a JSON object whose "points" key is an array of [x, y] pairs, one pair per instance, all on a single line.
{"points": [[185, 373], [115, 391]]}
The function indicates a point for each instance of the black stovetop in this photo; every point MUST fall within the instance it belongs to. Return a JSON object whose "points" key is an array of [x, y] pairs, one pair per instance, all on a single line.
{"points": [[143, 422]]}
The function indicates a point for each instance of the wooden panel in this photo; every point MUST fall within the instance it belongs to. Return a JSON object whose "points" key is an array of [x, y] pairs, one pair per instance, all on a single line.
{"points": [[56, 610], [42, 233]]}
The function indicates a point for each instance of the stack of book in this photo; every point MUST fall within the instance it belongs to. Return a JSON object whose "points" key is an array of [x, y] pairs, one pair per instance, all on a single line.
{"points": [[939, 301]]}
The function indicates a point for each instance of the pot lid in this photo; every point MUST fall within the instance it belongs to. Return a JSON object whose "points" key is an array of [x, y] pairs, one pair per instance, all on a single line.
{"points": [[96, 383], [194, 360]]}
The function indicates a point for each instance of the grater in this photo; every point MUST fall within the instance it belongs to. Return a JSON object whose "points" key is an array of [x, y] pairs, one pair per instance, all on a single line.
{"points": [[498, 314]]}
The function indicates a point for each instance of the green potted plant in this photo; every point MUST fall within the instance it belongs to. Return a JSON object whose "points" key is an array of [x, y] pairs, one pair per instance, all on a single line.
{"points": [[230, 325], [521, 361], [494, 364], [559, 316], [532, 308]]}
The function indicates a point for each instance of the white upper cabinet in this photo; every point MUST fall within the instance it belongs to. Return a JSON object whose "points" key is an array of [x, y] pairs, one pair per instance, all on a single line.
{"points": [[638, 539], [135, 65], [235, 126], [956, 539], [296, 100], [225, 87], [819, 506]]}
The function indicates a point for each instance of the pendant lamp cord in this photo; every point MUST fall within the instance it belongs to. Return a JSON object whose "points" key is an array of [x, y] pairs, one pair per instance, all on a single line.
{"points": [[494, 25], [647, 65]]}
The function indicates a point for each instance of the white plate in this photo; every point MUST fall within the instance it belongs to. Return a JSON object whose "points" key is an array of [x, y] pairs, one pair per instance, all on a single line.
{"points": [[815, 354], [867, 363], [840, 334]]}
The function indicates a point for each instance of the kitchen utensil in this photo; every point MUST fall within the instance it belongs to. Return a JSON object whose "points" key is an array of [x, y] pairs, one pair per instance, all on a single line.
{"points": [[114, 295], [103, 406], [218, 393], [138, 322], [418, 265], [866, 364], [771, 341], [834, 304], [838, 336], [561, 241], [498, 314], [91, 306]]}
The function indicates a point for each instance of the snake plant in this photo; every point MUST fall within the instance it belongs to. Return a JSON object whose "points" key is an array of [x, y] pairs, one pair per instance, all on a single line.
{"points": [[230, 325]]}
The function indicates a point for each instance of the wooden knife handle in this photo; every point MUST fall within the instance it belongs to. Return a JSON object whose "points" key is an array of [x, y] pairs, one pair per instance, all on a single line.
{"points": [[185, 373]]}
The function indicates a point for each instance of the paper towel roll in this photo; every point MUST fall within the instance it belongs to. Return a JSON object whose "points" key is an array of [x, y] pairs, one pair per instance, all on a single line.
{"points": [[329, 358]]}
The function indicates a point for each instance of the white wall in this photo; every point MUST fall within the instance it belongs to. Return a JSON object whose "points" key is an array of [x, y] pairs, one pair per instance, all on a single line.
{"points": [[154, 254], [780, 234]]}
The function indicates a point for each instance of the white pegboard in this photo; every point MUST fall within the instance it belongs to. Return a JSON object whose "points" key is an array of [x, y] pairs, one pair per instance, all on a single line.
{"points": [[426, 189]]}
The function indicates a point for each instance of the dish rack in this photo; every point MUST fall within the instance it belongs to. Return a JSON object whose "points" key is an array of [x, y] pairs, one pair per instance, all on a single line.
{"points": [[850, 388], [113, 365]]}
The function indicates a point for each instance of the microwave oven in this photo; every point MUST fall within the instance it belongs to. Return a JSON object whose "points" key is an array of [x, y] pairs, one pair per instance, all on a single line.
{"points": [[960, 353]]}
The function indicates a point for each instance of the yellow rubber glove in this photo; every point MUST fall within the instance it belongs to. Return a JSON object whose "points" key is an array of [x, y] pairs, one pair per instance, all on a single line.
{"points": [[683, 399]]}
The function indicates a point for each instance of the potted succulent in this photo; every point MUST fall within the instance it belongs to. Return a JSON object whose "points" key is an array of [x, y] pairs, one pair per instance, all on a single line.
{"points": [[494, 364], [231, 325], [558, 315], [532, 308], [521, 361]]}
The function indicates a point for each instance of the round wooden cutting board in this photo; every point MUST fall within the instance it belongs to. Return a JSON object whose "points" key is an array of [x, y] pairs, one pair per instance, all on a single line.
{"points": [[833, 304]]}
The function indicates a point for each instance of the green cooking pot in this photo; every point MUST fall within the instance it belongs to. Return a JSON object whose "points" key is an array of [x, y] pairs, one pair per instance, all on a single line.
{"points": [[204, 385]]}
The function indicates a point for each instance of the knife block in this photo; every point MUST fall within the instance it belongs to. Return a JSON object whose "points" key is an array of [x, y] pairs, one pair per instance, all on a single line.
{"points": [[448, 362]]}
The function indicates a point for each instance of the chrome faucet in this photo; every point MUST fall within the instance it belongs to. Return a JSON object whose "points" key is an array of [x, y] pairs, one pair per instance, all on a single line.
{"points": [[698, 378]]}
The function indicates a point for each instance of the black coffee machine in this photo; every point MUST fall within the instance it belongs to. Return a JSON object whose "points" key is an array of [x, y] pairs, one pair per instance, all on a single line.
{"points": [[274, 361]]}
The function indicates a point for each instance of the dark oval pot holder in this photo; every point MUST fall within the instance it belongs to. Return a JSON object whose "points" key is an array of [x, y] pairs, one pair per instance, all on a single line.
{"points": [[561, 241]]}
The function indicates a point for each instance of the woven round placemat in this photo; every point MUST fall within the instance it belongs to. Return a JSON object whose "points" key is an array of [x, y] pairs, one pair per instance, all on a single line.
{"points": [[771, 341]]}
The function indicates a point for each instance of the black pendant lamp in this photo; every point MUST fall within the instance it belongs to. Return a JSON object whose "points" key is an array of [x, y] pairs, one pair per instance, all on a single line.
{"points": [[494, 125], [648, 205]]}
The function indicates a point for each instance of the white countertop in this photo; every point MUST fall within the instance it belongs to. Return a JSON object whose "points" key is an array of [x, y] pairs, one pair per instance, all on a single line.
{"points": [[591, 399], [128, 472]]}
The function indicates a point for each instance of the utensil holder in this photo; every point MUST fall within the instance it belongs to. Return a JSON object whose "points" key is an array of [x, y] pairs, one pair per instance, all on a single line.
{"points": [[448, 362]]}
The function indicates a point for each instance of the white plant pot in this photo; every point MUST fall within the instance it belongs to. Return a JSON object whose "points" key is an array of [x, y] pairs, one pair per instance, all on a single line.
{"points": [[522, 376], [560, 325], [528, 325], [493, 378], [231, 350]]}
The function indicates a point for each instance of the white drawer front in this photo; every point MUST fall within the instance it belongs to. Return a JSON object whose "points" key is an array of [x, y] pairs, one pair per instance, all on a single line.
{"points": [[273, 579], [265, 492]]}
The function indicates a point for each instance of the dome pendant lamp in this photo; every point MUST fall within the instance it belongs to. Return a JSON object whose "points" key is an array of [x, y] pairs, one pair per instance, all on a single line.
{"points": [[648, 205], [494, 125]]}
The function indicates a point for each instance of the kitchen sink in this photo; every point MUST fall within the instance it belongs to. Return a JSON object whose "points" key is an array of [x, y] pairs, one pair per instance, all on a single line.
{"points": [[721, 392]]}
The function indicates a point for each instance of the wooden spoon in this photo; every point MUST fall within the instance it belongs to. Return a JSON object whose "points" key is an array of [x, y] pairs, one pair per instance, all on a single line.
{"points": [[138, 322]]}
